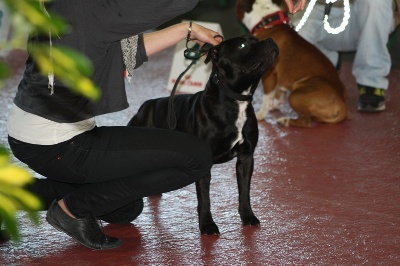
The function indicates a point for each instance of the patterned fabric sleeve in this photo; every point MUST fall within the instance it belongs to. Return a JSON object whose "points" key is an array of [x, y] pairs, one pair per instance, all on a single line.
{"points": [[129, 50]]}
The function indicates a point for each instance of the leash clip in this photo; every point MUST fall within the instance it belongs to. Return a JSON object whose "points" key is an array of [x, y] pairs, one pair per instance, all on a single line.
{"points": [[195, 52], [215, 79]]}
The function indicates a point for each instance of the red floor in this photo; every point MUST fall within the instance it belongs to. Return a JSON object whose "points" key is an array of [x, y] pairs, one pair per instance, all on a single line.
{"points": [[328, 195]]}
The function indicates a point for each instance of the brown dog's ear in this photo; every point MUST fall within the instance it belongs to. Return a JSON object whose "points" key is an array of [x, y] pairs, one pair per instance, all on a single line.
{"points": [[278, 2], [243, 6], [248, 5]]}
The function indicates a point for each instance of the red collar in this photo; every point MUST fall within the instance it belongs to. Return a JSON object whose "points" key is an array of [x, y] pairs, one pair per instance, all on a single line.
{"points": [[277, 18]]}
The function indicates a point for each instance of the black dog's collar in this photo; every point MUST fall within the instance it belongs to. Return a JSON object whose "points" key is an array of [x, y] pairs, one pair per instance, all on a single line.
{"points": [[230, 93]]}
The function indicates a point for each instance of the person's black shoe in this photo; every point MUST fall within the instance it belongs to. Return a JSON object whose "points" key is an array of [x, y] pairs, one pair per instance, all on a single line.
{"points": [[85, 230], [371, 99]]}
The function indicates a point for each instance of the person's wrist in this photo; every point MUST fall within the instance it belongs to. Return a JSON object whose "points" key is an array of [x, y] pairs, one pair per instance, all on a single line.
{"points": [[189, 31]]}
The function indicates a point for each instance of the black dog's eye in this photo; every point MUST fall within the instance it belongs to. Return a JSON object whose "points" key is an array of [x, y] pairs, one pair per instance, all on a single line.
{"points": [[241, 46]]}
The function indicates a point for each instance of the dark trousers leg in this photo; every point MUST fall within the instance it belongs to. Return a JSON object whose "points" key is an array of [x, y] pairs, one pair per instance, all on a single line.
{"points": [[116, 166], [49, 190]]}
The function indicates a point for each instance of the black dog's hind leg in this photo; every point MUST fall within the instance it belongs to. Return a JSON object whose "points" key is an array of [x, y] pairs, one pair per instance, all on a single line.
{"points": [[206, 223], [244, 171]]}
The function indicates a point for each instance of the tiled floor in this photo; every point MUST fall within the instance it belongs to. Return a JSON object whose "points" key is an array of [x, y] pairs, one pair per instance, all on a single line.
{"points": [[327, 195]]}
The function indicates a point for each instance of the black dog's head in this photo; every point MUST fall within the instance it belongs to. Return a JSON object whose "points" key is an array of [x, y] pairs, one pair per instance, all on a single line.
{"points": [[240, 62]]}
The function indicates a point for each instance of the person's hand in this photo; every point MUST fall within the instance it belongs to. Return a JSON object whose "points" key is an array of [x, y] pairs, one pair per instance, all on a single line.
{"points": [[295, 5], [161, 39], [202, 35]]}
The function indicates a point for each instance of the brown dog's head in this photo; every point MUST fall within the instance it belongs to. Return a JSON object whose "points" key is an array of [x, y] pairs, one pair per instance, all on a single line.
{"points": [[246, 6], [240, 62]]}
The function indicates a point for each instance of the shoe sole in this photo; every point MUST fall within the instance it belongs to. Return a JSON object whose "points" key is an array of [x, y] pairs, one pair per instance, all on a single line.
{"points": [[371, 109]]}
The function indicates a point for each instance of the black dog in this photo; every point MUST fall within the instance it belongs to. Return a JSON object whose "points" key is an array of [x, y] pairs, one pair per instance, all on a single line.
{"points": [[222, 115]]}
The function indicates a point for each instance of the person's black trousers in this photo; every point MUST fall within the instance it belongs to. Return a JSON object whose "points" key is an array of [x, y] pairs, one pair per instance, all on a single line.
{"points": [[108, 169]]}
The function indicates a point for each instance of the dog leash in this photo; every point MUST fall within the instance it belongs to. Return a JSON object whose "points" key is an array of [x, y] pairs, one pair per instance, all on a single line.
{"points": [[231, 94], [328, 6], [194, 53]]}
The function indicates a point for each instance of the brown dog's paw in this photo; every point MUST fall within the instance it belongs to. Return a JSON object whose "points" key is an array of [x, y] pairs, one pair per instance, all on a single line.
{"points": [[260, 116], [283, 121]]}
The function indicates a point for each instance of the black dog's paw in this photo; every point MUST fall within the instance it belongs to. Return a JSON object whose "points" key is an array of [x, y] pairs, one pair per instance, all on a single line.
{"points": [[251, 221], [209, 229]]}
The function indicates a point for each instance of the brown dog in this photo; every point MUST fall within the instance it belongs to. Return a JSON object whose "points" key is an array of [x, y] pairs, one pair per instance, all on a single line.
{"points": [[316, 92]]}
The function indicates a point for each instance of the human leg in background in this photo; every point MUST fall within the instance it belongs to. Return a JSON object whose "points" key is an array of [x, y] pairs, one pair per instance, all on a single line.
{"points": [[372, 60], [366, 33], [331, 44], [313, 31]]}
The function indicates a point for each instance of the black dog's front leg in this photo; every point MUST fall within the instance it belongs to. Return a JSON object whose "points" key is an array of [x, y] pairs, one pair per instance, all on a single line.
{"points": [[206, 222], [244, 171]]}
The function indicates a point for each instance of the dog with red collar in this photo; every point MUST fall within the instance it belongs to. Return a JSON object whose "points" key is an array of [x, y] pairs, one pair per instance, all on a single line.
{"points": [[316, 91]]}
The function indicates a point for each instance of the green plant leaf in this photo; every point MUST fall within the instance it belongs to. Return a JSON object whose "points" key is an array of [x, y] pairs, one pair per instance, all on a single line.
{"points": [[4, 72], [42, 21], [71, 67]]}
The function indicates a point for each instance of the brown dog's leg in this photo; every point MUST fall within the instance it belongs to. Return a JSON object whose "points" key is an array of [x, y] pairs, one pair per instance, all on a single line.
{"points": [[270, 102], [300, 121], [315, 100]]}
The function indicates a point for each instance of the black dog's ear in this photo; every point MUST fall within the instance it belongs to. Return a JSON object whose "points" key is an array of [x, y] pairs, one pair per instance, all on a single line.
{"points": [[211, 55]]}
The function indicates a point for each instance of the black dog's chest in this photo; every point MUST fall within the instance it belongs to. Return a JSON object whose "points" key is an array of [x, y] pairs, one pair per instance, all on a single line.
{"points": [[227, 129]]}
